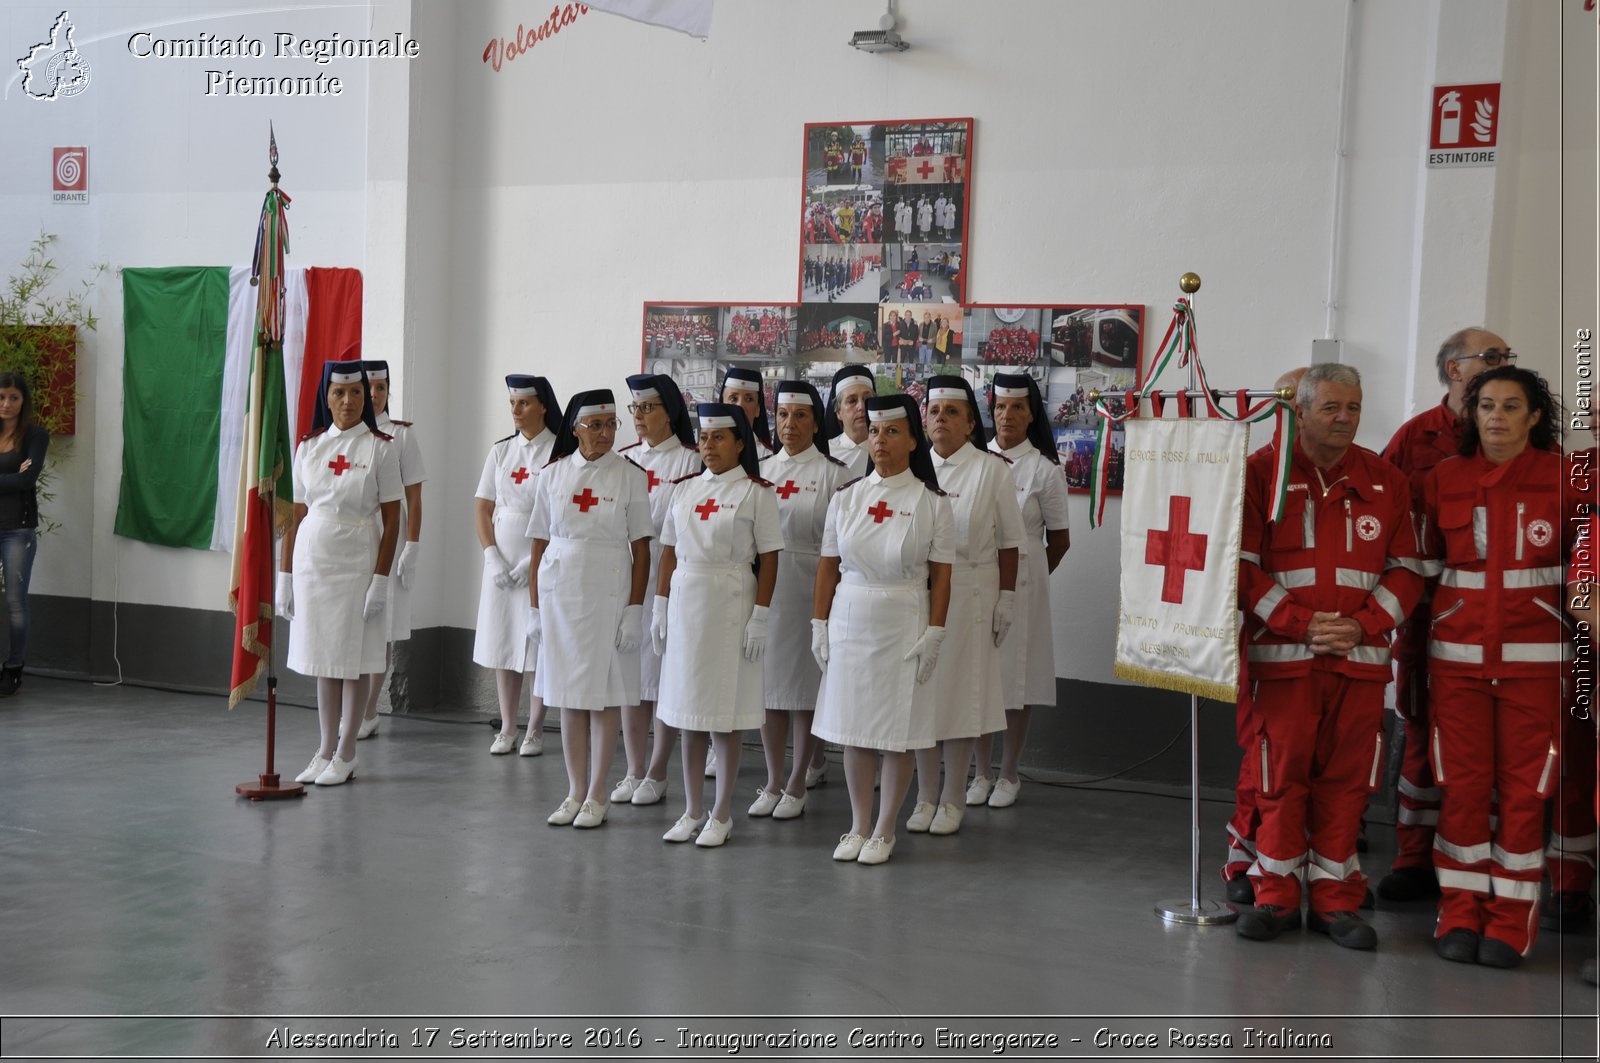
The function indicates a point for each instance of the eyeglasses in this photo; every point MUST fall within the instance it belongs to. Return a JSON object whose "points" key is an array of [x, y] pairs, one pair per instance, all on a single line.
{"points": [[1491, 357], [599, 426], [643, 407]]}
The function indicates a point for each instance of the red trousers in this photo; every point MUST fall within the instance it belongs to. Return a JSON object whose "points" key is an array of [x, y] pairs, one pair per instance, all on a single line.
{"points": [[1571, 853], [1418, 812], [1246, 819], [1500, 735], [1321, 739]]}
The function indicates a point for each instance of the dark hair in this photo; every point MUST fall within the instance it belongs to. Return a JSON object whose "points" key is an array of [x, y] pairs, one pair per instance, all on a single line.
{"points": [[749, 460], [25, 415], [760, 426], [1541, 434]]}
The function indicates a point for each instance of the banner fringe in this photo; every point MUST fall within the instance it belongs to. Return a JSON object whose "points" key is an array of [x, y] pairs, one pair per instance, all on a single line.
{"points": [[1184, 684]]}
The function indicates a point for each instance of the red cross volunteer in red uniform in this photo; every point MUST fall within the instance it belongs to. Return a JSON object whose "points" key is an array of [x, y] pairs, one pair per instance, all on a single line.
{"points": [[1493, 519], [1321, 589]]}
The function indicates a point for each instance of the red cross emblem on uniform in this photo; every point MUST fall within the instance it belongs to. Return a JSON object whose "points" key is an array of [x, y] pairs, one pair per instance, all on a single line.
{"points": [[787, 490], [880, 512], [585, 500], [519, 476], [650, 480], [1176, 550], [706, 508], [925, 168], [339, 465]]}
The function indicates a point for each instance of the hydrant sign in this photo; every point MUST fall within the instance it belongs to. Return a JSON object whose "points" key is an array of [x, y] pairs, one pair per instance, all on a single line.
{"points": [[1464, 125]]}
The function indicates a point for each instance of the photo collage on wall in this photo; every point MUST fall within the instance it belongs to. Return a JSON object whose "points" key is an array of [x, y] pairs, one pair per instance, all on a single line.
{"points": [[883, 270]]}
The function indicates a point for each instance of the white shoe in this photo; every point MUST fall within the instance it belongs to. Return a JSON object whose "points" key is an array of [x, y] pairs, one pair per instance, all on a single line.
{"points": [[789, 807], [766, 800], [815, 776], [849, 847], [503, 743], [649, 791], [684, 829], [1005, 793], [921, 818], [532, 744], [624, 789], [337, 773], [978, 792], [876, 851], [590, 815], [368, 728], [711, 763], [714, 833], [564, 814], [318, 765], [947, 820]]}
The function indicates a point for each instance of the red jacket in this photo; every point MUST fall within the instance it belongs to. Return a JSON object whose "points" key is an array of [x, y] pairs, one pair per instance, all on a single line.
{"points": [[1346, 544], [1418, 445], [1496, 536]]}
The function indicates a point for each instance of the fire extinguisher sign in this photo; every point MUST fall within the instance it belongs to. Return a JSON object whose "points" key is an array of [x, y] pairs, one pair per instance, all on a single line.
{"points": [[1464, 126]]}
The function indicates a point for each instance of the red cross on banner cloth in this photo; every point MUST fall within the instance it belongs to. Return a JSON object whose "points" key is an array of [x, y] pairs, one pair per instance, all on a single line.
{"points": [[1176, 550], [519, 476], [880, 512], [706, 508], [787, 490], [925, 168], [585, 500], [651, 480], [339, 465]]}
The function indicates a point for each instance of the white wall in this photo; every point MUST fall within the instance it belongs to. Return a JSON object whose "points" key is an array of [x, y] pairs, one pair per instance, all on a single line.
{"points": [[516, 221]]}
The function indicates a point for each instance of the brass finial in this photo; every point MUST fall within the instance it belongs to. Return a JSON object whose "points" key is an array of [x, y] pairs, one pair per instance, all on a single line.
{"points": [[1189, 283]]}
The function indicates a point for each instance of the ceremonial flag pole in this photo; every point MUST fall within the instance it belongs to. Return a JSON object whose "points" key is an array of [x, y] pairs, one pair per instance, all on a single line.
{"points": [[266, 457]]}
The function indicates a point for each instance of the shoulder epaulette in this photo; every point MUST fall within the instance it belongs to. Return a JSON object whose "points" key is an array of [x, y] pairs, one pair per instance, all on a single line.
{"points": [[312, 435], [936, 490], [758, 480], [630, 446], [1002, 457], [382, 435], [849, 483], [552, 461], [630, 461], [836, 461], [402, 424], [507, 439], [691, 476]]}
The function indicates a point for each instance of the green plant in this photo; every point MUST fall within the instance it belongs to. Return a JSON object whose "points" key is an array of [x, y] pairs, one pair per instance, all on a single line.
{"points": [[39, 338]]}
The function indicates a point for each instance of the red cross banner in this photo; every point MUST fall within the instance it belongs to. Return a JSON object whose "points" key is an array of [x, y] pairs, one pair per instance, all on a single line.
{"points": [[1182, 508]]}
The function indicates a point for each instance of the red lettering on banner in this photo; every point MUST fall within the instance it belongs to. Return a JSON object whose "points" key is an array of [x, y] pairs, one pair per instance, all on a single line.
{"points": [[504, 49], [1176, 550]]}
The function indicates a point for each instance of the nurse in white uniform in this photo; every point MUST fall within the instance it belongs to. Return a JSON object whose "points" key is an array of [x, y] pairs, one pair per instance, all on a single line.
{"points": [[883, 590], [983, 582], [846, 422], [590, 528], [666, 451], [744, 388], [719, 563], [335, 577], [504, 501], [1027, 657], [397, 617], [804, 479]]}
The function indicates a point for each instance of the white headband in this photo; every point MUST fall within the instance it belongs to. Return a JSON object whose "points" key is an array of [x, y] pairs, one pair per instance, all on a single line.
{"points": [[1010, 393], [523, 393], [893, 413], [647, 393], [794, 398], [741, 384], [720, 420], [946, 393], [851, 381], [344, 378], [599, 407], [377, 374]]}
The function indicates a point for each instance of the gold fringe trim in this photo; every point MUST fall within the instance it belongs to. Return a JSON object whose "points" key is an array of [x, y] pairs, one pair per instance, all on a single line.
{"points": [[254, 646], [1181, 682]]}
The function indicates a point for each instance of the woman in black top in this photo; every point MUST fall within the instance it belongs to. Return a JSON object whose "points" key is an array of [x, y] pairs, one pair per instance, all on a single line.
{"points": [[22, 448]]}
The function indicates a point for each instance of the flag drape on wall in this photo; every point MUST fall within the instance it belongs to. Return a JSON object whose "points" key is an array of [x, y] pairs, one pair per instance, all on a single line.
{"points": [[1182, 511]]}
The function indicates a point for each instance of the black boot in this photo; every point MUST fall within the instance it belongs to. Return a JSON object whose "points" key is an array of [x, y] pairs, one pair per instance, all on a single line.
{"points": [[10, 680]]}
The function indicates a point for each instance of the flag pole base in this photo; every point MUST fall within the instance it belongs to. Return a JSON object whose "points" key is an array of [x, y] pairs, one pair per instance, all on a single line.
{"points": [[1187, 912], [269, 788]]}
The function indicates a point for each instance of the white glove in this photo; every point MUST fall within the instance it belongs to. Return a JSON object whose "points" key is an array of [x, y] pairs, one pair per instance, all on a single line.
{"points": [[819, 643], [406, 564], [535, 630], [285, 595], [658, 625], [926, 651], [495, 562], [1004, 610], [755, 634], [630, 629], [377, 597], [519, 571]]}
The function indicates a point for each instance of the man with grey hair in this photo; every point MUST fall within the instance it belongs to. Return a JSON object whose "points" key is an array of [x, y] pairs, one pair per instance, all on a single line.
{"points": [[1419, 445], [1322, 587]]}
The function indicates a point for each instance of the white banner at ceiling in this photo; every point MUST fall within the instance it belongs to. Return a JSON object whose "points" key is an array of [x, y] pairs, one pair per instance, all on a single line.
{"points": [[686, 16]]}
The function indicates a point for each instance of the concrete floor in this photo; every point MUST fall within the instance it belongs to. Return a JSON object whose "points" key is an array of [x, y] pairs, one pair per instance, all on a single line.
{"points": [[134, 882]]}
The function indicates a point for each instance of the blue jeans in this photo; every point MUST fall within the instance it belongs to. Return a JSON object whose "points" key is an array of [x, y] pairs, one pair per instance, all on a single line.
{"points": [[16, 561]]}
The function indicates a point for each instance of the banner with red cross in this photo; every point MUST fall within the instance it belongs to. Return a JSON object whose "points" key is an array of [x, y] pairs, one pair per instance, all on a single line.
{"points": [[1182, 510]]}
